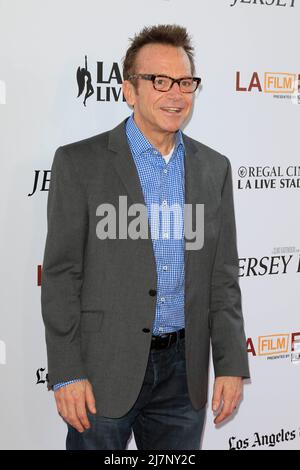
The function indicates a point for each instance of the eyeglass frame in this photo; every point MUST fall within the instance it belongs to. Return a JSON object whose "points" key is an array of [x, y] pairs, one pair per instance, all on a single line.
{"points": [[152, 77]]}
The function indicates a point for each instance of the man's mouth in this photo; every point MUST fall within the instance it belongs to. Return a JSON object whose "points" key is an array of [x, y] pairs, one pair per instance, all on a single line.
{"points": [[170, 109]]}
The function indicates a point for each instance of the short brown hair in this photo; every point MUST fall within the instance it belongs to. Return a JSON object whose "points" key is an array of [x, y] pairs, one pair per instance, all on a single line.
{"points": [[170, 34]]}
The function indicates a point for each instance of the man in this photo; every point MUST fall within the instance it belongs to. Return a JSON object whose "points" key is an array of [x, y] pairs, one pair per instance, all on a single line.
{"points": [[129, 318]]}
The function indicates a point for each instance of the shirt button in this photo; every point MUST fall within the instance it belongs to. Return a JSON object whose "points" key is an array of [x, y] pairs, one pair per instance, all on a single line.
{"points": [[165, 268], [165, 235], [164, 203], [162, 299], [152, 292], [165, 170]]}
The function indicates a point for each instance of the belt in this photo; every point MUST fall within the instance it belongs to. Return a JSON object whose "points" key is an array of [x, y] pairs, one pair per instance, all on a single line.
{"points": [[164, 341]]}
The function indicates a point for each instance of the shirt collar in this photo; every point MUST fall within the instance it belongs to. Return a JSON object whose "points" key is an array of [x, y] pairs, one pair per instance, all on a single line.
{"points": [[139, 143]]}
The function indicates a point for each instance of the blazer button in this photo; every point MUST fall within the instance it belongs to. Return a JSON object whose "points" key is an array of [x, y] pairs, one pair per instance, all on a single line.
{"points": [[146, 330], [152, 292]]}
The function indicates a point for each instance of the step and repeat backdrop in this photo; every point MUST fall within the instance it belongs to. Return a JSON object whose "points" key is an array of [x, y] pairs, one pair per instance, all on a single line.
{"points": [[60, 81]]}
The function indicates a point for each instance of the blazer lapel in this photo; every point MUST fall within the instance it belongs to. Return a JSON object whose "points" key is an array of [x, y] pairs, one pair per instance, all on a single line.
{"points": [[125, 167], [124, 163], [197, 183]]}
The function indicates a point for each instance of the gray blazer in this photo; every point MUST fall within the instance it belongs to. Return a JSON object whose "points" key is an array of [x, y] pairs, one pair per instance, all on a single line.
{"points": [[97, 296]]}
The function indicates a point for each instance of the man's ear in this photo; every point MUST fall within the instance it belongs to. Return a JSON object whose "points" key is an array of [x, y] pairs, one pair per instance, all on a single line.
{"points": [[129, 92]]}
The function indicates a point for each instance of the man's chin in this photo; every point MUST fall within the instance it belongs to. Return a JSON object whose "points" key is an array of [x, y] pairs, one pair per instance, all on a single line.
{"points": [[172, 126]]}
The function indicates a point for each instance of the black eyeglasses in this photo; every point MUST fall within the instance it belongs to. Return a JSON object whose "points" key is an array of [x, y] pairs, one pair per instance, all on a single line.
{"points": [[165, 83]]}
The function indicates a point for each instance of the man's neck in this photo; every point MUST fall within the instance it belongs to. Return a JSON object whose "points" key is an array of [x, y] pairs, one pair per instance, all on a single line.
{"points": [[163, 142]]}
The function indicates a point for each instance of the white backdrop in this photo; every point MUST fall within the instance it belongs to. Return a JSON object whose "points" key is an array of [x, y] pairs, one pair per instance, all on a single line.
{"points": [[248, 56]]}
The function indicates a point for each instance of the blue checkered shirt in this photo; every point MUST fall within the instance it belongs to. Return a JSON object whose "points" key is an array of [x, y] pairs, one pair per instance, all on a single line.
{"points": [[163, 186]]}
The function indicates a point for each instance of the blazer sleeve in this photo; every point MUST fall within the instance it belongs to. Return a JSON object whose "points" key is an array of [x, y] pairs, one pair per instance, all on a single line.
{"points": [[228, 339], [62, 270]]}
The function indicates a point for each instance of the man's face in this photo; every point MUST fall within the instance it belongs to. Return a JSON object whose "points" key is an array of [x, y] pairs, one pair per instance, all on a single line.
{"points": [[151, 106]]}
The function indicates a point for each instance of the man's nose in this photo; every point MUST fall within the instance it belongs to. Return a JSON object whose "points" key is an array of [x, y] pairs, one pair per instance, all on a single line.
{"points": [[175, 88]]}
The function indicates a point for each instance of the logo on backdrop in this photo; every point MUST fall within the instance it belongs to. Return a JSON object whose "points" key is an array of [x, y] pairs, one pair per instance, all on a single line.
{"points": [[39, 275], [41, 180], [262, 440], [283, 260], [108, 82], [268, 3], [281, 85], [41, 376], [84, 82], [276, 346], [268, 177]]}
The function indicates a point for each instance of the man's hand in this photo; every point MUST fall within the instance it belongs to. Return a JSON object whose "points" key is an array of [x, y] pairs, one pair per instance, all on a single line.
{"points": [[71, 400], [230, 390]]}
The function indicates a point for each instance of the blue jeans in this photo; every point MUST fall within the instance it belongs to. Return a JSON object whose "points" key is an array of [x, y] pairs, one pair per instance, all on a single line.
{"points": [[162, 417]]}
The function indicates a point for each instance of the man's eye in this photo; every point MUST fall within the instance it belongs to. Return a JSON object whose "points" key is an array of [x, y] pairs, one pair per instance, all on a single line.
{"points": [[161, 81], [186, 83]]}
